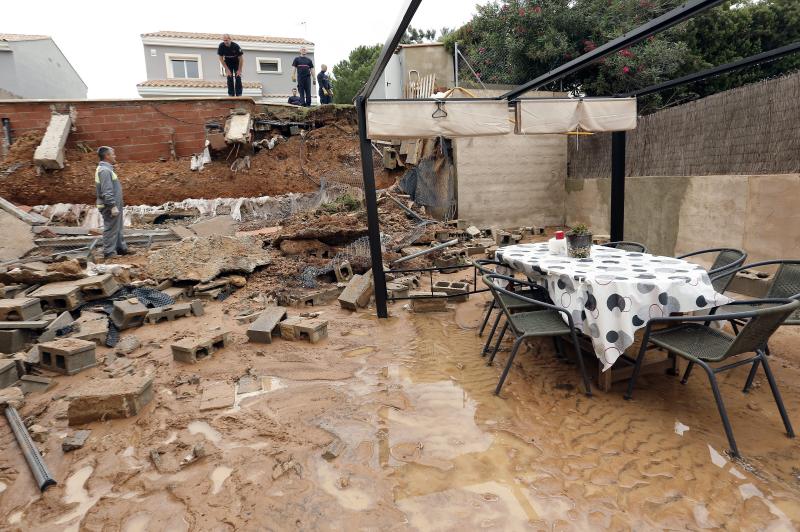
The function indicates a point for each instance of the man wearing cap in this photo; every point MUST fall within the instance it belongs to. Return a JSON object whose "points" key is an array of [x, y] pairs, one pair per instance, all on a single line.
{"points": [[109, 201]]}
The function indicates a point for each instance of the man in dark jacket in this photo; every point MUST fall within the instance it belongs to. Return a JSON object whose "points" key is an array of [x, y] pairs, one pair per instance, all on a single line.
{"points": [[303, 74], [109, 201], [294, 99], [231, 58], [325, 89]]}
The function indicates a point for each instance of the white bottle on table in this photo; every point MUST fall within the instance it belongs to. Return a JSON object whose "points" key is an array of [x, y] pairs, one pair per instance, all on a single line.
{"points": [[558, 244]]}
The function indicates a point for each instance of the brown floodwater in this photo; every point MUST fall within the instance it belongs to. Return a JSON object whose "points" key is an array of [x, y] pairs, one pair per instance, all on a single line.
{"points": [[427, 446]]}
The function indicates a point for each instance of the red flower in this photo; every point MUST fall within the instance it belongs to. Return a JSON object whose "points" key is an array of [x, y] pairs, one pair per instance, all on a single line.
{"points": [[626, 70], [626, 53], [522, 11], [588, 45], [537, 9], [482, 50]]}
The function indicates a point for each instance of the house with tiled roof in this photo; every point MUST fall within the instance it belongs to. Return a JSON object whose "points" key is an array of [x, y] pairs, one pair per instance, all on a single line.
{"points": [[33, 67], [185, 64]]}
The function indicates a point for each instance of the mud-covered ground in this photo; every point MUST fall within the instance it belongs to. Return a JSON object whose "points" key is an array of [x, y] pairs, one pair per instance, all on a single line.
{"points": [[427, 445]]}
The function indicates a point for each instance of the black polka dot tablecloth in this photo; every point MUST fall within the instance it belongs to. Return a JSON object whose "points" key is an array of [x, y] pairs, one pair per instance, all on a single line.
{"points": [[614, 293]]}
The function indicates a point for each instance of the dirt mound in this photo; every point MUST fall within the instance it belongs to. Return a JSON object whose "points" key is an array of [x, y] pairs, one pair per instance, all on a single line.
{"points": [[330, 152]]}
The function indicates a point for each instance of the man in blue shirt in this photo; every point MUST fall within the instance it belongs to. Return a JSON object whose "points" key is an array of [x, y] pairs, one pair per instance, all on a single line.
{"points": [[325, 89], [294, 99], [231, 58], [303, 74]]}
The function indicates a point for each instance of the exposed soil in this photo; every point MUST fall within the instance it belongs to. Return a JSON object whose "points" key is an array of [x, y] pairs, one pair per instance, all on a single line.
{"points": [[330, 152]]}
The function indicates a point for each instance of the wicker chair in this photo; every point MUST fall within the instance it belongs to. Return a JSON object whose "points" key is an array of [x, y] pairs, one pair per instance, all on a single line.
{"points": [[726, 260], [695, 340], [785, 283], [546, 321], [633, 247]]}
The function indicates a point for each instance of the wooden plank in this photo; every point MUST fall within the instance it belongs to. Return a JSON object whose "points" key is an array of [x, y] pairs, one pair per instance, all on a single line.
{"points": [[29, 217]]}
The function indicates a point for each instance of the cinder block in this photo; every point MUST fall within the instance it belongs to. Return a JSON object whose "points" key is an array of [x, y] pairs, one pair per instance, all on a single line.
{"points": [[10, 290], [128, 313], [458, 291], [427, 302], [190, 350], [473, 232], [168, 313], [67, 355], [50, 333], [198, 309], [357, 292], [50, 153], [35, 384], [266, 325], [502, 238], [396, 290], [410, 281], [8, 373], [445, 261], [13, 340], [313, 330], [103, 399], [315, 298], [288, 328], [59, 296], [474, 250], [237, 128], [175, 292], [343, 271], [22, 309], [93, 331], [98, 287]]}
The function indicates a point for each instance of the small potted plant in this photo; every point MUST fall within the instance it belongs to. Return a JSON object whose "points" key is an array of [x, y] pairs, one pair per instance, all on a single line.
{"points": [[579, 242]]}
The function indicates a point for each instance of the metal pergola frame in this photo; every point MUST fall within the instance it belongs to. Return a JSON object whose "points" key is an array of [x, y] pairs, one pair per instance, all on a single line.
{"points": [[617, 208]]}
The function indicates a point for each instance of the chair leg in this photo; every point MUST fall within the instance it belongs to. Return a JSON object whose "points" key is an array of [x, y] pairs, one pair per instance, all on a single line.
{"points": [[636, 369], [557, 346], [721, 407], [673, 371], [508, 364], [750, 376], [497, 344], [486, 318], [777, 395], [587, 384], [688, 372], [491, 334]]}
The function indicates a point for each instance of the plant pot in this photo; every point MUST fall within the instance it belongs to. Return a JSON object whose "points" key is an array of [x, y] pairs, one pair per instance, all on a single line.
{"points": [[579, 246]]}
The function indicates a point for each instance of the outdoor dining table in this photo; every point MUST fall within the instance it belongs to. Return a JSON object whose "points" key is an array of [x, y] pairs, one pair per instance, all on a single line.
{"points": [[614, 292]]}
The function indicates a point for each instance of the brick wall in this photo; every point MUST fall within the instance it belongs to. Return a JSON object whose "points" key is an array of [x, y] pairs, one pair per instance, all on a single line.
{"points": [[139, 130]]}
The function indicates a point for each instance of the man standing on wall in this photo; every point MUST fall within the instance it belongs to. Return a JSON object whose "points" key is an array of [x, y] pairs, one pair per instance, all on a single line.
{"points": [[109, 201], [303, 74], [325, 89], [232, 59]]}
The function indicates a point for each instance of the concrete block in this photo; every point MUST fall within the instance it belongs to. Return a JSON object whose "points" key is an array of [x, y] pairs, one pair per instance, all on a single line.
{"points": [[93, 331], [36, 325], [61, 296], [190, 350], [50, 153], [128, 313], [287, 328], [9, 291], [8, 373], [216, 141], [442, 236], [217, 225], [67, 356], [103, 399], [445, 261], [35, 384], [751, 283], [502, 238], [237, 128], [357, 293], [97, 287], [473, 232], [410, 281], [175, 292], [168, 313], [343, 271], [475, 250], [458, 291], [13, 340], [313, 330], [217, 395], [395, 290], [75, 441], [51, 332], [266, 325], [198, 308], [315, 298], [426, 302], [22, 309]]}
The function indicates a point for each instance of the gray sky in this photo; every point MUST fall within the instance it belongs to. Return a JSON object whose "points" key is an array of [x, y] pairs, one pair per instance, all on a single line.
{"points": [[102, 39]]}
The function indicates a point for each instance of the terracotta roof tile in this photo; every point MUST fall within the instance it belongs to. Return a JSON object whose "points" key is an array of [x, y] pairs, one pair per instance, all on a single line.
{"points": [[21, 37], [195, 83], [218, 36]]}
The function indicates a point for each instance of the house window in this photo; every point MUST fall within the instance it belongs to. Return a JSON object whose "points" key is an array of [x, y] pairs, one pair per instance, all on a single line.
{"points": [[268, 65], [184, 66]]}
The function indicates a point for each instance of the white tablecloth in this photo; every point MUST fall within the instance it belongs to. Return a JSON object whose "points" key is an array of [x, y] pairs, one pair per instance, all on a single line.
{"points": [[614, 293]]}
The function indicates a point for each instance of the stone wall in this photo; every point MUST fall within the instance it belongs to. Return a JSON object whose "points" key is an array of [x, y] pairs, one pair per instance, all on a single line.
{"points": [[674, 215], [139, 130]]}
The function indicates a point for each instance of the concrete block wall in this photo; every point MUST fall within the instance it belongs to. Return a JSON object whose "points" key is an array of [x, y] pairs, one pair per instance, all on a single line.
{"points": [[675, 215], [140, 130]]}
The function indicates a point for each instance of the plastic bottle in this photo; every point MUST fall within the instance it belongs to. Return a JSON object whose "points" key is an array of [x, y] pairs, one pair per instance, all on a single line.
{"points": [[558, 244]]}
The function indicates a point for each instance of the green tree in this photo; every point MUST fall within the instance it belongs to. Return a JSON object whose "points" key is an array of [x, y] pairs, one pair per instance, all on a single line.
{"points": [[352, 73], [417, 36]]}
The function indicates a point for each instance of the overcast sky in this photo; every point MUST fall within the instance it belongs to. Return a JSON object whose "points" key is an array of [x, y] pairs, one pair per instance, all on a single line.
{"points": [[102, 39]]}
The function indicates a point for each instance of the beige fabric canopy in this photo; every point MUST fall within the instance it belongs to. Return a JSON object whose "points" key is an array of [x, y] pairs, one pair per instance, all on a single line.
{"points": [[561, 115]]}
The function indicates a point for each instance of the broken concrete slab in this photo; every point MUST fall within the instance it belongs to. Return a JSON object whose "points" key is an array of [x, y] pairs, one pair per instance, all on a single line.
{"points": [[357, 293], [20, 309], [266, 325], [190, 350], [75, 441], [103, 399], [198, 308], [127, 345], [68, 270], [175, 292], [8, 373], [93, 330], [237, 128], [218, 225], [51, 332], [334, 449], [28, 217], [203, 259], [182, 232], [217, 395], [67, 356], [50, 153], [35, 384], [16, 239]]}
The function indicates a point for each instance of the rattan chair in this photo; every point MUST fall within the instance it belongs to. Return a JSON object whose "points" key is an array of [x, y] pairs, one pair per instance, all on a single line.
{"points": [[633, 247], [695, 340], [537, 292], [727, 259], [546, 321]]}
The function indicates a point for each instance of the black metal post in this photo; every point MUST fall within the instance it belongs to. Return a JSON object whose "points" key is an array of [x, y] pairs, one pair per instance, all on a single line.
{"points": [[371, 200], [617, 186]]}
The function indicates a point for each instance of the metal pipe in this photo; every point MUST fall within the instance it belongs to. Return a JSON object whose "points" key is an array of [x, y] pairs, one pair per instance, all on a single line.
{"points": [[455, 64], [426, 251], [34, 459]]}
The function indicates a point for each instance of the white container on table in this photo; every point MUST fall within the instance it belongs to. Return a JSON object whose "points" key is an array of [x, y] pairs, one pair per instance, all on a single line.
{"points": [[558, 244]]}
